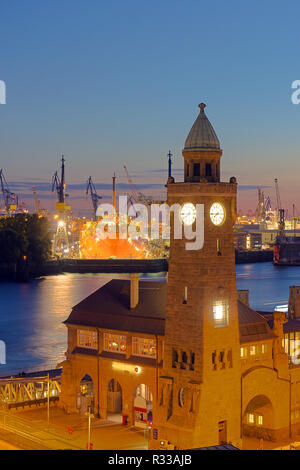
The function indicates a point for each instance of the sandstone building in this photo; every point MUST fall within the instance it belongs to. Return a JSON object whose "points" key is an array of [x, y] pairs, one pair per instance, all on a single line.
{"points": [[188, 357]]}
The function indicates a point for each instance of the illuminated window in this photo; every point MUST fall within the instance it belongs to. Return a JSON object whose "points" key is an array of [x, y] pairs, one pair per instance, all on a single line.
{"points": [[143, 347], [263, 348], [252, 350], [250, 418], [243, 352], [220, 313], [248, 242], [87, 339], [114, 343], [260, 420]]}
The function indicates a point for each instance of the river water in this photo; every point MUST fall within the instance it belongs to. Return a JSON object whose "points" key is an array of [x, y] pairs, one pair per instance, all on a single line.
{"points": [[32, 315]]}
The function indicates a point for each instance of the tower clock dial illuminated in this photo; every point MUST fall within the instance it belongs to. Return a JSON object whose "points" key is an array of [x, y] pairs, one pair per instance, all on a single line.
{"points": [[188, 213], [217, 213]]}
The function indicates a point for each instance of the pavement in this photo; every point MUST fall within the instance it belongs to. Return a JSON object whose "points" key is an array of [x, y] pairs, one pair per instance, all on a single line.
{"points": [[251, 443], [28, 429]]}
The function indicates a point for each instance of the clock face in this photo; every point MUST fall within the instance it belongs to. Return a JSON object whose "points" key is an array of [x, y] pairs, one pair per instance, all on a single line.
{"points": [[188, 213], [217, 213]]}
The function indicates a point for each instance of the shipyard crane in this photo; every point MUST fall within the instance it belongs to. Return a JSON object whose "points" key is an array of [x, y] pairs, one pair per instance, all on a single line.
{"points": [[138, 197], [280, 211], [61, 240], [10, 199], [59, 185], [90, 189], [37, 207], [260, 212], [135, 195], [36, 201]]}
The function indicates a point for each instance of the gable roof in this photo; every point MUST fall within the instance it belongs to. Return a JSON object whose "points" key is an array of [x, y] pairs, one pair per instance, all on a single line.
{"points": [[109, 307], [253, 326]]}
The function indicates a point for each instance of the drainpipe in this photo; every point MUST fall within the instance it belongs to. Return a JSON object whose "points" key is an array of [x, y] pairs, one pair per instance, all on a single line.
{"points": [[290, 417], [98, 374]]}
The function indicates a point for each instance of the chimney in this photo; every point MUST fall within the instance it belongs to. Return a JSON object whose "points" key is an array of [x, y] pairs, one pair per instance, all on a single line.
{"points": [[243, 296], [294, 302], [134, 290]]}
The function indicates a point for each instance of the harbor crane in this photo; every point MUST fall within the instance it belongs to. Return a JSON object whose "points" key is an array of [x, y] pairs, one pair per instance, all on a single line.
{"points": [[90, 189], [137, 197], [10, 199], [61, 241], [37, 205], [280, 211], [59, 185], [134, 194], [36, 201]]}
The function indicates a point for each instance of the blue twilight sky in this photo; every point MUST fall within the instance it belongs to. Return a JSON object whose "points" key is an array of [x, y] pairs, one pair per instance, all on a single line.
{"points": [[119, 81]]}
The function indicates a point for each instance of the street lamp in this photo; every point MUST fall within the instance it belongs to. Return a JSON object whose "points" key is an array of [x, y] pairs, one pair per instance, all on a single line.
{"points": [[89, 415]]}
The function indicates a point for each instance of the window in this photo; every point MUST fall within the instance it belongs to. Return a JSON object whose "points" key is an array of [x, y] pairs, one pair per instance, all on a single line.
{"points": [[114, 343], [260, 420], [222, 359], [87, 339], [263, 348], [208, 169], [214, 360], [250, 418], [220, 313], [143, 347], [243, 352], [184, 360], [219, 247], [252, 350], [192, 363], [174, 358], [196, 169]]}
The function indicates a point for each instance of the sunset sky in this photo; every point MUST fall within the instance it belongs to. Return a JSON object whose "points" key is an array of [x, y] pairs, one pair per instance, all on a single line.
{"points": [[108, 83]]}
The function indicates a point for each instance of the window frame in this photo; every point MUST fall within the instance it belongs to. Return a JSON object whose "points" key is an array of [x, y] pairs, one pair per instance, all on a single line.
{"points": [[87, 333], [139, 342], [109, 338]]}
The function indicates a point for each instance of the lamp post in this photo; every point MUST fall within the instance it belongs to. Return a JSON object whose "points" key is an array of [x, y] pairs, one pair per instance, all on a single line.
{"points": [[48, 399], [89, 415]]}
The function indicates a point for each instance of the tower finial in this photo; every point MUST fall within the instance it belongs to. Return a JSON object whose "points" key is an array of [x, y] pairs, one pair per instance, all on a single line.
{"points": [[202, 106]]}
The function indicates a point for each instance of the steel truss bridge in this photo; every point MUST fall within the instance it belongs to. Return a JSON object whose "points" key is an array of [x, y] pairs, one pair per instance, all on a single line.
{"points": [[30, 390]]}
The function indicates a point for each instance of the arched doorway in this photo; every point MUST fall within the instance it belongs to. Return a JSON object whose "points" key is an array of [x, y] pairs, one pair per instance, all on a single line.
{"points": [[142, 407], [258, 419], [114, 397], [85, 396]]}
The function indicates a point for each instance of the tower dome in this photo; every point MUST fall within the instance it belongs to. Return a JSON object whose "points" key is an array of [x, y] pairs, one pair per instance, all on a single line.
{"points": [[202, 134], [202, 151]]}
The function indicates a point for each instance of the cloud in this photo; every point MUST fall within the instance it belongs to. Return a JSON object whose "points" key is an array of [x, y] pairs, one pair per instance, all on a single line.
{"points": [[251, 187], [21, 185]]}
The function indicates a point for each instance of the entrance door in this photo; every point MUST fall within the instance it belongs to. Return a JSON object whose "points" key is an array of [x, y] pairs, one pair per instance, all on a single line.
{"points": [[222, 432]]}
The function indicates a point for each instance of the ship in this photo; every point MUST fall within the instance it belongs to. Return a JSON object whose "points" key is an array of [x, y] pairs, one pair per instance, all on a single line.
{"points": [[286, 251]]}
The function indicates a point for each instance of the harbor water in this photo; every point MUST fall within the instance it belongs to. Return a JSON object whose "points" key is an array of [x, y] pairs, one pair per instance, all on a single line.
{"points": [[32, 314]]}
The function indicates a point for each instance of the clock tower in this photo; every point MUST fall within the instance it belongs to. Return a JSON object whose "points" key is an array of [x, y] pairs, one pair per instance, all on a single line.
{"points": [[199, 390]]}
